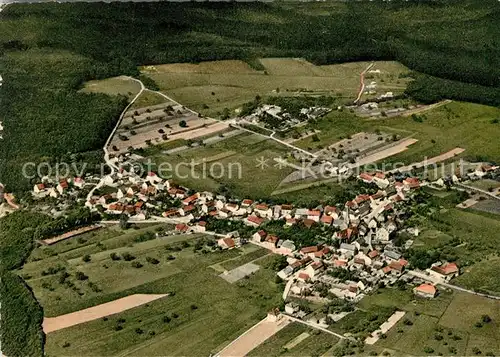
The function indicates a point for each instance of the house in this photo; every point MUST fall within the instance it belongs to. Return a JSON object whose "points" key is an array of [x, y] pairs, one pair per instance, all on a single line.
{"points": [[181, 227], [314, 269], [254, 221], [321, 253], [39, 188], [425, 290], [301, 213], [259, 236], [271, 241], [276, 212], [183, 211], [286, 272], [309, 250], [308, 223], [444, 271], [191, 199], [303, 277], [246, 203], [290, 222], [314, 215], [286, 210], [347, 249], [78, 182], [200, 227], [411, 183], [263, 210], [365, 177], [331, 211], [373, 254], [287, 247], [62, 186], [392, 255], [153, 177], [327, 220], [226, 243], [292, 308], [231, 207]]}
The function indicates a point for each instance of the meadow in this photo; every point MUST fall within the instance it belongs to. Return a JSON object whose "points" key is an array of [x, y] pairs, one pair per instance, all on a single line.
{"points": [[431, 327], [210, 87], [238, 156], [201, 307], [316, 344]]}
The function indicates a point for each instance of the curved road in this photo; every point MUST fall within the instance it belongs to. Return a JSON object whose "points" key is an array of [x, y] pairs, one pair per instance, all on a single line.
{"points": [[362, 81]]}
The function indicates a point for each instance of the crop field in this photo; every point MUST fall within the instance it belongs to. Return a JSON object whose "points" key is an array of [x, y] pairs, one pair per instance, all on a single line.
{"points": [[201, 307], [232, 163], [209, 87], [316, 344], [445, 324], [113, 86]]}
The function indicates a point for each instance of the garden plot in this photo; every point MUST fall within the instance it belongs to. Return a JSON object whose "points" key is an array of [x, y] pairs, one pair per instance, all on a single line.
{"points": [[239, 273], [159, 123]]}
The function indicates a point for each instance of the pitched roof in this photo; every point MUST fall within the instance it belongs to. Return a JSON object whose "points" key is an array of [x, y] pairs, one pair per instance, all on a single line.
{"points": [[366, 177], [229, 242], [254, 219], [311, 249], [304, 276], [426, 288], [373, 254]]}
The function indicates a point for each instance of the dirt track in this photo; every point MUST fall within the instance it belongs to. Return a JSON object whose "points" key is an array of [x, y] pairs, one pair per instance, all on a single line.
{"points": [[51, 324]]}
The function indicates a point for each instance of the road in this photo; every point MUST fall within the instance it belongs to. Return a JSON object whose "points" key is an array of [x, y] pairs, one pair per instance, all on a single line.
{"points": [[477, 190], [450, 286], [275, 139], [362, 82], [315, 326], [108, 161]]}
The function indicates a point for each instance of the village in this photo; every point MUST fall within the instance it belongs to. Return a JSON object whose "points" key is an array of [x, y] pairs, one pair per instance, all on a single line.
{"points": [[353, 254]]}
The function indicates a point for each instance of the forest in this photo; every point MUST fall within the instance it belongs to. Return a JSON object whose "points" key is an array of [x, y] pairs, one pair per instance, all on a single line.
{"points": [[22, 316], [48, 50]]}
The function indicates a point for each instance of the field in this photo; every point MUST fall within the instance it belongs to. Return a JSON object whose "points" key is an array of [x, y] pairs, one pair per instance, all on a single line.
{"points": [[444, 325], [201, 307], [231, 164], [209, 87], [113, 86], [315, 345]]}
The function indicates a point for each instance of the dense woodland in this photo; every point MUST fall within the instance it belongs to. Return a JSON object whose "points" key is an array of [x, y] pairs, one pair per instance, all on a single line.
{"points": [[22, 316], [48, 50]]}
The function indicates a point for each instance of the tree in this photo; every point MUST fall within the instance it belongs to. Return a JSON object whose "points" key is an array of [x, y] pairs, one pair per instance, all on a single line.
{"points": [[486, 319], [123, 221], [183, 124], [81, 276], [137, 265], [86, 258]]}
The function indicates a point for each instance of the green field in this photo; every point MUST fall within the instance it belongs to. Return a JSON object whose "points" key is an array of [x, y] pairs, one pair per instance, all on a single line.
{"points": [[147, 99], [209, 87], [444, 325], [113, 86], [235, 160], [315, 345], [210, 312]]}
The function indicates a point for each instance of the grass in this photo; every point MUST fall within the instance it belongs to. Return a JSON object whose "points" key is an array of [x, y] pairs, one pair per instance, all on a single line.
{"points": [[453, 125], [235, 160], [431, 238], [244, 258], [485, 184], [113, 86], [221, 311], [314, 345], [208, 328], [147, 99], [482, 276], [448, 315], [210, 87]]}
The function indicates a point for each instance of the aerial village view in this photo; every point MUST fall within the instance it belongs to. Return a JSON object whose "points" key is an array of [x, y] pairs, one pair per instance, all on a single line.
{"points": [[276, 205]]}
